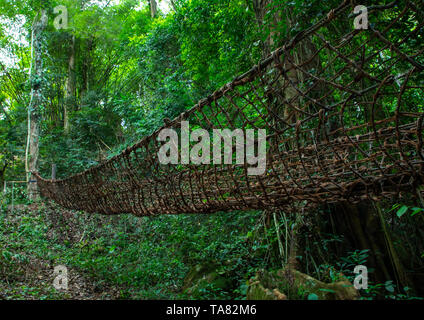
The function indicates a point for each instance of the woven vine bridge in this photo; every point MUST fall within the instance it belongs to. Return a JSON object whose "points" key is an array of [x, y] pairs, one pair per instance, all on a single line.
{"points": [[343, 114]]}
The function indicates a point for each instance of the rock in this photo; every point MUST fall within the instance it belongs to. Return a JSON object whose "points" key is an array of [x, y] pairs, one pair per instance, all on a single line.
{"points": [[256, 291], [297, 285], [201, 278], [279, 295]]}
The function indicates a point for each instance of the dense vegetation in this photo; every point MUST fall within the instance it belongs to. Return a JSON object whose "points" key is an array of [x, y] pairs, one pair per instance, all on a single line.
{"points": [[112, 76]]}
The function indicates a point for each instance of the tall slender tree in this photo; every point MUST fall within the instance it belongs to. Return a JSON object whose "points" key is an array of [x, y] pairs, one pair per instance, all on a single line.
{"points": [[153, 8], [36, 100]]}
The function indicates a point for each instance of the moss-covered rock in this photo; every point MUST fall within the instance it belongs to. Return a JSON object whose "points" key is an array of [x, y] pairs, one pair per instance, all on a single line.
{"points": [[200, 279], [256, 291], [297, 285]]}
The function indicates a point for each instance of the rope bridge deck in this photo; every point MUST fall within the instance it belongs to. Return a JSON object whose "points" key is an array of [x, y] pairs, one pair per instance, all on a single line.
{"points": [[343, 115]]}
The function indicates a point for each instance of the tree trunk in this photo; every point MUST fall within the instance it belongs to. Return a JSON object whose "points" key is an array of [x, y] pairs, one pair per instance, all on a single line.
{"points": [[34, 108], [70, 87], [153, 8], [286, 107]]}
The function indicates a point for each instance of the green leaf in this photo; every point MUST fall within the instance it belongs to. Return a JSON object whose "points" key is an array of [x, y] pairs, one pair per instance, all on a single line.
{"points": [[415, 211], [395, 206], [312, 296], [390, 287], [402, 211]]}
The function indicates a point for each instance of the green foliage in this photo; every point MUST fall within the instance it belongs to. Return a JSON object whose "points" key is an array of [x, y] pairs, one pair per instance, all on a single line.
{"points": [[402, 209], [146, 258], [216, 40]]}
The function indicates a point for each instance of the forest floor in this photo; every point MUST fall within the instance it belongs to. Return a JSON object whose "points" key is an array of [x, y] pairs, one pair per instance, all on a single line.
{"points": [[125, 257], [27, 273], [36, 282]]}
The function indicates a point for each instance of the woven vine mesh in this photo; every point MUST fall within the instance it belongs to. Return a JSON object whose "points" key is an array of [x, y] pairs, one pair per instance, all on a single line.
{"points": [[343, 114]]}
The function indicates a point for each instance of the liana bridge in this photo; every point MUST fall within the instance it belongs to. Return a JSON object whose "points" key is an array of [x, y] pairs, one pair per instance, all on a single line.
{"points": [[343, 114]]}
